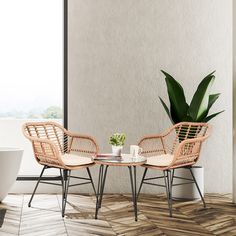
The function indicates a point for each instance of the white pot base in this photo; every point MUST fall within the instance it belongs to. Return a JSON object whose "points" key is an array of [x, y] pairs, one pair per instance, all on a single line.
{"points": [[188, 191], [116, 150]]}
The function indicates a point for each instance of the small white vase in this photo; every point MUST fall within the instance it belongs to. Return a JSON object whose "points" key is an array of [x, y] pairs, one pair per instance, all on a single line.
{"points": [[116, 150]]}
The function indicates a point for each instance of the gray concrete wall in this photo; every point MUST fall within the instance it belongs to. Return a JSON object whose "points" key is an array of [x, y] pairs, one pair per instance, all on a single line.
{"points": [[234, 100], [116, 52]]}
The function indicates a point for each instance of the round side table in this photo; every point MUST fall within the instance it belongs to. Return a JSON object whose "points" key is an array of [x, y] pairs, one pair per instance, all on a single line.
{"points": [[107, 160]]}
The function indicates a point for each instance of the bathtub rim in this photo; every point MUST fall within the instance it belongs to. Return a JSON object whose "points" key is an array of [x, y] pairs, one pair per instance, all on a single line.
{"points": [[10, 149]]}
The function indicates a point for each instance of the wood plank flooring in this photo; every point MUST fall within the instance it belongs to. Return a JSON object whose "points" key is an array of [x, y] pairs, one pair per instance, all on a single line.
{"points": [[116, 216]]}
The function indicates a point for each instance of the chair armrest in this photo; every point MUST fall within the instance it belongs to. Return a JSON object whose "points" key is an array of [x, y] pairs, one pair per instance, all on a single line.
{"points": [[152, 145], [46, 152], [188, 151], [84, 144]]}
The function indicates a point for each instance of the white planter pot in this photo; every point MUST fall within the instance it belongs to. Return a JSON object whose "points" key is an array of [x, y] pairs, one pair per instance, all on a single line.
{"points": [[116, 150], [188, 191], [10, 160]]}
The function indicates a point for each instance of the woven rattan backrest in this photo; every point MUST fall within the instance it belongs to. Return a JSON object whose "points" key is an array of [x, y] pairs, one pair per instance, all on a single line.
{"points": [[50, 140], [183, 131], [188, 141], [182, 140], [51, 131]]}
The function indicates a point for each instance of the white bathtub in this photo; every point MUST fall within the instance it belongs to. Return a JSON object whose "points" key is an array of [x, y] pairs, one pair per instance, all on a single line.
{"points": [[10, 160]]}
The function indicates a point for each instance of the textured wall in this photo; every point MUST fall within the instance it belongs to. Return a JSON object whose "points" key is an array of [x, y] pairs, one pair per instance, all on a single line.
{"points": [[234, 100], [116, 51]]}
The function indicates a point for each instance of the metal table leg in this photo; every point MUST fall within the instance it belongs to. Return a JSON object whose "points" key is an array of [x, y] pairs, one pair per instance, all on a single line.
{"points": [[134, 190], [101, 185]]}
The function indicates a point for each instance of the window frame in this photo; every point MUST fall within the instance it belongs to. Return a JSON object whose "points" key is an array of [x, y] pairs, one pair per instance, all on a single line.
{"points": [[65, 87]]}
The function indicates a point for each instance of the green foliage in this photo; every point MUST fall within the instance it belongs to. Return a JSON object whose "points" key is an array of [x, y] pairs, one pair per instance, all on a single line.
{"points": [[52, 112], [117, 139], [200, 105]]}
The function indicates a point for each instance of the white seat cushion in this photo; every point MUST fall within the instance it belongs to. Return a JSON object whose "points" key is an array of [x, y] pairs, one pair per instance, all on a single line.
{"points": [[160, 160], [75, 160]]}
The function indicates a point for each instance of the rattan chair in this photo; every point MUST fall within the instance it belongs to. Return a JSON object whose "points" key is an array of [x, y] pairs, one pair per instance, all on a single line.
{"points": [[55, 147], [178, 147]]}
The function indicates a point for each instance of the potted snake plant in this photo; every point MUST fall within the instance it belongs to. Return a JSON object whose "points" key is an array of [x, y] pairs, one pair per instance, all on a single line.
{"points": [[197, 111]]}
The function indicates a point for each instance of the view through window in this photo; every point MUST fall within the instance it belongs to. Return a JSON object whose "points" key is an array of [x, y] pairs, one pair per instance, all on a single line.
{"points": [[31, 74]]}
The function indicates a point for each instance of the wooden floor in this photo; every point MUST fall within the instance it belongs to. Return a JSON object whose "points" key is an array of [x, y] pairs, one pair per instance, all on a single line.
{"points": [[116, 216]]}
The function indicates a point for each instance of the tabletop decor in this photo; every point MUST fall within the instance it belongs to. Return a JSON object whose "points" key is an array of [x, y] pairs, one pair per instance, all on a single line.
{"points": [[117, 141]]}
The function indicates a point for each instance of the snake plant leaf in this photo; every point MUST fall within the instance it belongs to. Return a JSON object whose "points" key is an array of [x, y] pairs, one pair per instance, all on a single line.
{"points": [[198, 108], [178, 105], [212, 99], [212, 116], [166, 109], [211, 73], [173, 114], [188, 118]]}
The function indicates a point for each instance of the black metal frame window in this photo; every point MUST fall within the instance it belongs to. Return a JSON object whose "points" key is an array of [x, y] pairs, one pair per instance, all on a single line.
{"points": [[65, 87], [65, 95]]}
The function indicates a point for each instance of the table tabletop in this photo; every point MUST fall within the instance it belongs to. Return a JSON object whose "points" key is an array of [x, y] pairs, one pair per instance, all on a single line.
{"points": [[124, 160]]}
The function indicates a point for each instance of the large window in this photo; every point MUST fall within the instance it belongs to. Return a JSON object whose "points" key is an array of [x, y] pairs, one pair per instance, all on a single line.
{"points": [[31, 74]]}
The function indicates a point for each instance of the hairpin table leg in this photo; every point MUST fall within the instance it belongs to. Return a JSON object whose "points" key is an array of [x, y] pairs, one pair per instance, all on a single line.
{"points": [[134, 189], [101, 185]]}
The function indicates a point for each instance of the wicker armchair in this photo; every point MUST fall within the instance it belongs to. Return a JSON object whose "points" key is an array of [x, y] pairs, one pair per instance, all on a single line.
{"points": [[55, 147], [178, 147]]}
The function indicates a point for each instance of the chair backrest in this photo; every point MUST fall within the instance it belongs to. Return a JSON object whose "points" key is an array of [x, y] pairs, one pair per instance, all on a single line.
{"points": [[50, 131], [175, 135], [50, 140], [183, 140]]}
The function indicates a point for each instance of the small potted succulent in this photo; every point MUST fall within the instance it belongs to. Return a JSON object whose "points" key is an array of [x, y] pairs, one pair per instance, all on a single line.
{"points": [[117, 141]]}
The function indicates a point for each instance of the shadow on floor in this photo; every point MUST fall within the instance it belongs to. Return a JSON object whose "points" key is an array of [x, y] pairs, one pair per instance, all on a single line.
{"points": [[2, 216]]}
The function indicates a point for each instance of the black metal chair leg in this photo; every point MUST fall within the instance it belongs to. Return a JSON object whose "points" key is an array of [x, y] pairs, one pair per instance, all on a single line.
{"points": [[63, 191], [62, 185], [166, 186], [168, 190], [66, 179], [91, 179], [36, 186], [172, 177], [140, 187], [195, 181]]}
